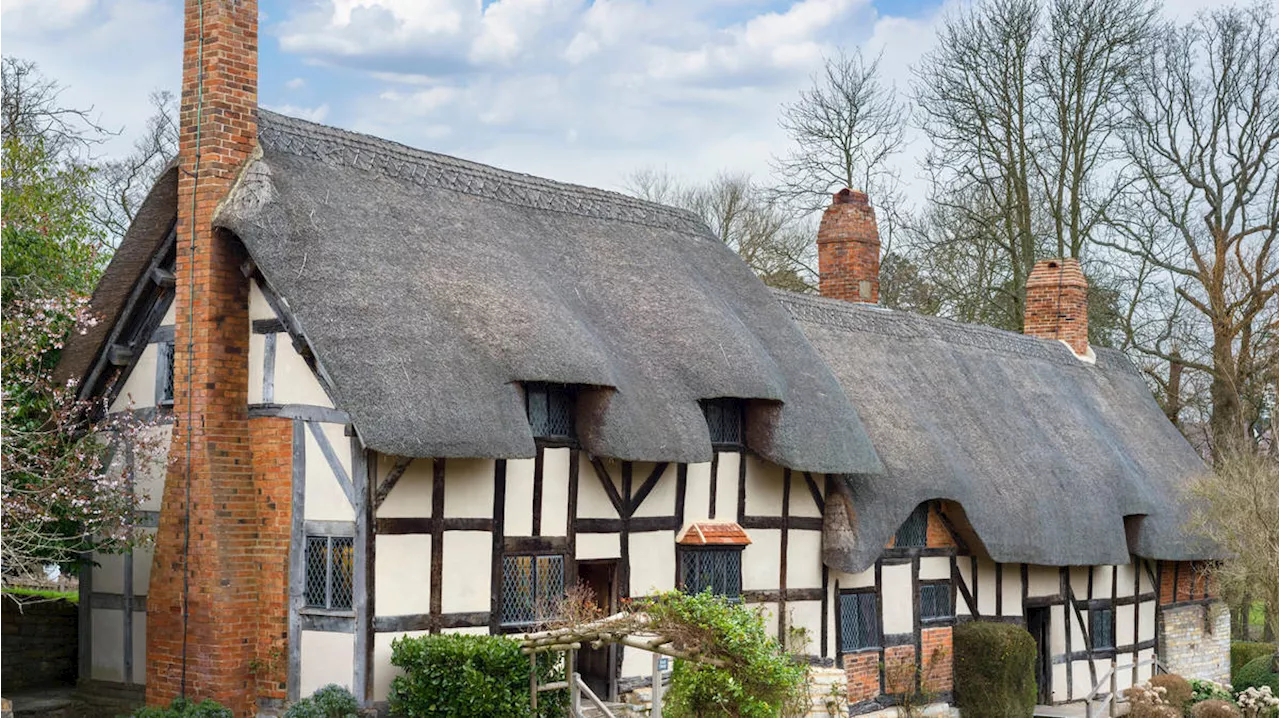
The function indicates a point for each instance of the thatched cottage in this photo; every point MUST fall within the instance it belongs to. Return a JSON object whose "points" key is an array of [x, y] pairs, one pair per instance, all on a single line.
{"points": [[404, 393]]}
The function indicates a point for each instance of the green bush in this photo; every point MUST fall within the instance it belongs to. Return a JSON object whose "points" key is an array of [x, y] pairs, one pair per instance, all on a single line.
{"points": [[332, 701], [469, 676], [1257, 673], [183, 708], [1244, 651], [995, 670], [759, 678], [1203, 690]]}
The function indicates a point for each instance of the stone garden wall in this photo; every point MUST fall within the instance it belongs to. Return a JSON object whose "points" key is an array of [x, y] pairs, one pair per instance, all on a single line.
{"points": [[39, 643]]}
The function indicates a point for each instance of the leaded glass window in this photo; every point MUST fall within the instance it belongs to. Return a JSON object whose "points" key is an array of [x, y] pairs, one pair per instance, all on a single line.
{"points": [[1102, 628], [164, 365], [532, 588], [717, 569], [859, 627], [724, 420], [551, 410], [330, 560], [935, 602], [914, 532]]}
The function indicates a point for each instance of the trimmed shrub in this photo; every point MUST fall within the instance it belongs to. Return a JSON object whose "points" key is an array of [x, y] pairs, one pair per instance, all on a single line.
{"points": [[1177, 691], [1202, 690], [1215, 709], [469, 676], [1244, 651], [995, 673], [183, 708], [1257, 673], [331, 701]]}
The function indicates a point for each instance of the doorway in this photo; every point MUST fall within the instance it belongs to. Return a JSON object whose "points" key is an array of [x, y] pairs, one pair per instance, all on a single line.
{"points": [[598, 666], [1038, 624]]}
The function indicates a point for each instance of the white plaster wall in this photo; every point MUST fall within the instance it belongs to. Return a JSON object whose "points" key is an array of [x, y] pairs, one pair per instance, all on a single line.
{"points": [[411, 497], [1124, 579], [727, 485], [760, 560], [1079, 577], [257, 363], [1125, 616], [899, 605], [468, 488], [1011, 590], [258, 306], [593, 502], [108, 644], [383, 671], [326, 658], [862, 579], [1081, 680], [150, 468], [596, 546], [804, 559], [294, 382], [764, 488], [467, 558], [653, 562], [170, 316], [108, 574], [964, 568], [935, 567], [1144, 578], [555, 491], [807, 615], [402, 574], [139, 390], [1146, 621], [518, 520], [1057, 631], [802, 503], [142, 556], [986, 587], [139, 646], [662, 500], [325, 500], [697, 493], [1061, 691], [1077, 630], [635, 662], [1042, 581]]}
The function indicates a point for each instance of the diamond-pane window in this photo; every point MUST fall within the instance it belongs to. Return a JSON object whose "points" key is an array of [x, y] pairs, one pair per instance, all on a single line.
{"points": [[164, 365], [1102, 628], [551, 410], [858, 624], [935, 602], [330, 560], [724, 420], [914, 532], [532, 587], [718, 569]]}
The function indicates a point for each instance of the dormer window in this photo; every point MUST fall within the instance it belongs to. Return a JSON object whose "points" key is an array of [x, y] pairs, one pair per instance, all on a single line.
{"points": [[724, 421], [550, 408], [914, 532]]}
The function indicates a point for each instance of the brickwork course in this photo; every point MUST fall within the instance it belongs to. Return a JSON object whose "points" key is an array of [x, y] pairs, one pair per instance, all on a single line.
{"points": [[849, 249], [936, 654], [862, 673], [1195, 640], [1057, 303], [203, 605]]}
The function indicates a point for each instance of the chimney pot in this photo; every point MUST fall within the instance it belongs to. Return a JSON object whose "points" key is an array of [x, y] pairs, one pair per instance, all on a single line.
{"points": [[849, 249]]}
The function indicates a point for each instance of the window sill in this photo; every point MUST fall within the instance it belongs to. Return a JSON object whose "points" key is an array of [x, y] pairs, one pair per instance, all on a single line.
{"points": [[337, 612], [859, 651]]}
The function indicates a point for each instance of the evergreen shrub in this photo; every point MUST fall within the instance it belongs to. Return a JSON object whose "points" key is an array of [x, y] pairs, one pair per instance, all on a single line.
{"points": [[995, 673], [1244, 651], [469, 676], [183, 708], [1257, 673], [331, 701]]}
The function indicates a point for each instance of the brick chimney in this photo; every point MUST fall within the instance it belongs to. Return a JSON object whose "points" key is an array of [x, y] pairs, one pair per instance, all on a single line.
{"points": [[203, 604], [1057, 304], [849, 249]]}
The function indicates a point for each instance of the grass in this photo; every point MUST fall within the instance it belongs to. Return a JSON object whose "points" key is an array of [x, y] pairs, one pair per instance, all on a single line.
{"points": [[1257, 614], [72, 596]]}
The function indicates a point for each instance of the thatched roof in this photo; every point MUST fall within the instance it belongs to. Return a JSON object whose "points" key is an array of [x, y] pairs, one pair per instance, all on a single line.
{"points": [[428, 286], [1046, 454]]}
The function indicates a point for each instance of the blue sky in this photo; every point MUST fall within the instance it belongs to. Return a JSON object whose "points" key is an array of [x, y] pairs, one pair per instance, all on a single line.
{"points": [[578, 90]]}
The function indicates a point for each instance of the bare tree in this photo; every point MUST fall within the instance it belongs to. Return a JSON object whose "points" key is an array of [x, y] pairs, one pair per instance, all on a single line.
{"points": [[123, 184], [778, 247], [1201, 203], [31, 112]]}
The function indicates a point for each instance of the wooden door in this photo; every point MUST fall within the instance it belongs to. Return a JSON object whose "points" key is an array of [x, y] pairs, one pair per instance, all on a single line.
{"points": [[598, 666], [1038, 624]]}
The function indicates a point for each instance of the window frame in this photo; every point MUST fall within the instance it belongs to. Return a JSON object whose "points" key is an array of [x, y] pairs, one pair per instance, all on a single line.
{"points": [[1094, 645], [919, 514], [329, 575], [877, 642], [165, 358], [936, 584], [728, 406], [547, 390], [521, 626], [734, 550]]}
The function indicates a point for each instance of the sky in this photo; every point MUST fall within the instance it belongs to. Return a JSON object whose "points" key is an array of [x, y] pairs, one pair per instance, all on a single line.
{"points": [[579, 91]]}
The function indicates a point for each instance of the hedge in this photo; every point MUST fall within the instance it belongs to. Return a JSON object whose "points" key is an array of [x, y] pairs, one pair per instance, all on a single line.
{"points": [[1244, 651], [183, 708], [1257, 673], [468, 676], [995, 674]]}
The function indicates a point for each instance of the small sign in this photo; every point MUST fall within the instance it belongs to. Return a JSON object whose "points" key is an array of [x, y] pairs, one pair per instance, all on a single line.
{"points": [[664, 663]]}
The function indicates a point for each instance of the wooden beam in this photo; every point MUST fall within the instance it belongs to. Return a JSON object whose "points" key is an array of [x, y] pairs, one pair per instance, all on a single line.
{"points": [[389, 483]]}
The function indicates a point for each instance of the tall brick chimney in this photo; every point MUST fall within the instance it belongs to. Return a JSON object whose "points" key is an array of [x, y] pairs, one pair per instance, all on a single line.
{"points": [[202, 605], [1057, 303], [849, 249]]}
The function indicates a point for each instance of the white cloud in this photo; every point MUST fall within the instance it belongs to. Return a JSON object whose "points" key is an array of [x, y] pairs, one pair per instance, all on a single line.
{"points": [[296, 83], [314, 114], [41, 16]]}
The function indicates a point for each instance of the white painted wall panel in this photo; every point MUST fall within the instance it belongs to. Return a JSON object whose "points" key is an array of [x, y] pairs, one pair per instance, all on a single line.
{"points": [[597, 546], [170, 316], [1124, 579], [697, 496], [140, 647], [1011, 590], [150, 469], [108, 644], [662, 500], [1042, 581], [964, 569], [760, 560], [807, 615], [411, 497], [1146, 621], [108, 574], [727, 485], [1102, 582], [142, 556], [804, 559], [1125, 616], [1081, 682], [1061, 691], [326, 658], [935, 567], [139, 390], [1079, 576], [635, 662], [802, 503], [593, 502], [986, 587], [466, 571], [653, 562], [402, 574], [468, 488], [1144, 578], [519, 516], [764, 488], [257, 361], [899, 604], [555, 491], [258, 306], [383, 671], [294, 382], [862, 579], [325, 500]]}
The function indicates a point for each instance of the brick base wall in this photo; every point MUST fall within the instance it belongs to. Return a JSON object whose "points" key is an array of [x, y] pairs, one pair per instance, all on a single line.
{"points": [[862, 671], [899, 669], [39, 644], [1195, 641], [935, 656]]}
